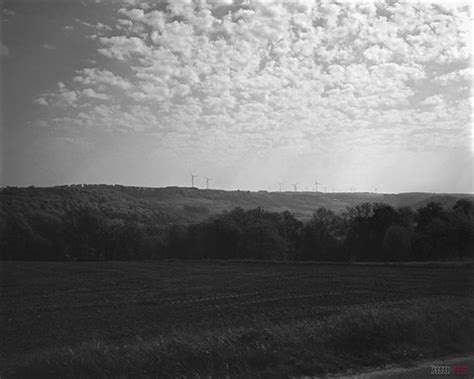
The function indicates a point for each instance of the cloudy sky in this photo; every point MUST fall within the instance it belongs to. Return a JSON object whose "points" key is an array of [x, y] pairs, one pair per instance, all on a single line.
{"points": [[249, 93]]}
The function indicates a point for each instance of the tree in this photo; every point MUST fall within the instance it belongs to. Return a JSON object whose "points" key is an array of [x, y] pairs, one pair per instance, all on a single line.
{"points": [[428, 213], [319, 235], [290, 229], [176, 242], [432, 241], [397, 243], [462, 227], [84, 233], [358, 241]]}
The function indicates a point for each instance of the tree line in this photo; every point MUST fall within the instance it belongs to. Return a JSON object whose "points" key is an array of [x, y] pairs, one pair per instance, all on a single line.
{"points": [[365, 232]]}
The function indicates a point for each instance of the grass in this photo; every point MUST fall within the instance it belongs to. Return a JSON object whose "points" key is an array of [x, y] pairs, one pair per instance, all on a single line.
{"points": [[249, 320], [311, 347]]}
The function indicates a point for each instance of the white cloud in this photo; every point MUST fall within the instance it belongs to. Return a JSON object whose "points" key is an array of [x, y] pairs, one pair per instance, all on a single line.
{"points": [[156, 19], [465, 75], [41, 101], [61, 97], [377, 54], [435, 100], [94, 76], [89, 92], [69, 97], [101, 26], [298, 75], [122, 47]]}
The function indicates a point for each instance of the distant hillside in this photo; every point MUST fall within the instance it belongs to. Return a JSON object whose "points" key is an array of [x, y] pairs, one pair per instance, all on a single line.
{"points": [[169, 205]]}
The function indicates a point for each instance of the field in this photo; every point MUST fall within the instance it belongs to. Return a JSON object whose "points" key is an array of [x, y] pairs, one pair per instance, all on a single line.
{"points": [[227, 318]]}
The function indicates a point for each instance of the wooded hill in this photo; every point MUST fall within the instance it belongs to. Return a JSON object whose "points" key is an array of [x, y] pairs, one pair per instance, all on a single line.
{"points": [[171, 205], [99, 222]]}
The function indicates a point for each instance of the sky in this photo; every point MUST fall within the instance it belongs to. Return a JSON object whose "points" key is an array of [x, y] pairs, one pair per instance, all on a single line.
{"points": [[248, 93]]}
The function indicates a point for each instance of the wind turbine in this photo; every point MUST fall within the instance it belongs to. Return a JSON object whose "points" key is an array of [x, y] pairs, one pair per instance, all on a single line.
{"points": [[316, 185], [207, 182], [279, 185], [296, 186], [192, 179]]}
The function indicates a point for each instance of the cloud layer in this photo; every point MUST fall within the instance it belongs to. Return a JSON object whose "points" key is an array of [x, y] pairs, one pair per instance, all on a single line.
{"points": [[294, 77]]}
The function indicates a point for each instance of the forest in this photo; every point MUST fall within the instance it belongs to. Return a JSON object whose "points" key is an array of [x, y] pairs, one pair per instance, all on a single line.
{"points": [[369, 231]]}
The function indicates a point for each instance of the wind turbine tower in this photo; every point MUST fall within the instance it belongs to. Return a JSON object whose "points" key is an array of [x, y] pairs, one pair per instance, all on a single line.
{"points": [[295, 186], [279, 186], [316, 185], [207, 182], [192, 179]]}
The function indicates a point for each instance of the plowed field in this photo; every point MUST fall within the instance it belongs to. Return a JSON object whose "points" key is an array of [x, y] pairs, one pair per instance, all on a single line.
{"points": [[47, 305]]}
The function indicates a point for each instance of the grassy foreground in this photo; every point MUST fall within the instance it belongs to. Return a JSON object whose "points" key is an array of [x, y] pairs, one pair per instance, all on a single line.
{"points": [[351, 339]]}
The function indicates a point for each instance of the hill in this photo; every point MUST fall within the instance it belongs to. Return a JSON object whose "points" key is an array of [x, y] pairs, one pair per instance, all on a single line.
{"points": [[165, 206], [104, 222]]}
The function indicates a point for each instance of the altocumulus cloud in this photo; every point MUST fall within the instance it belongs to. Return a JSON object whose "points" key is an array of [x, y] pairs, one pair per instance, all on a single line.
{"points": [[295, 76]]}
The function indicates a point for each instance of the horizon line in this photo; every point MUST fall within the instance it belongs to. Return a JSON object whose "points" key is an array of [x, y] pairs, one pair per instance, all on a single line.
{"points": [[82, 185]]}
